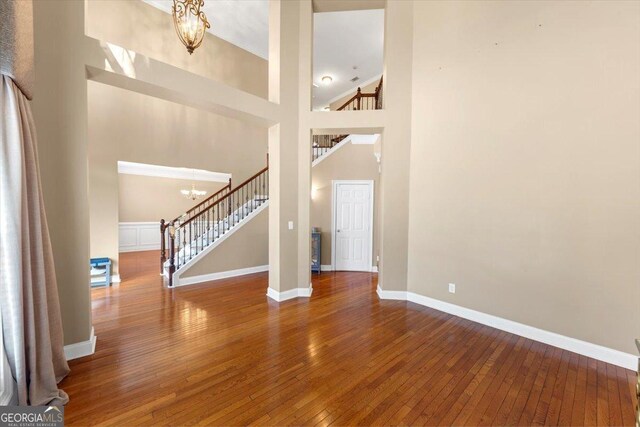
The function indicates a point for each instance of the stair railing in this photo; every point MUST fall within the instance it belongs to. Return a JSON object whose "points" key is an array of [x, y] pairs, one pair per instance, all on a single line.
{"points": [[321, 144], [364, 101], [164, 225], [190, 237]]}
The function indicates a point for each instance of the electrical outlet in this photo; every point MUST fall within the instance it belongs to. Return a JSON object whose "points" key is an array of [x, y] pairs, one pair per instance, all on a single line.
{"points": [[378, 258], [452, 288], [290, 225]]}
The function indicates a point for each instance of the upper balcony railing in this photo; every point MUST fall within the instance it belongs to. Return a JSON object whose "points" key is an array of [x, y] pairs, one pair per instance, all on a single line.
{"points": [[322, 144], [364, 101]]}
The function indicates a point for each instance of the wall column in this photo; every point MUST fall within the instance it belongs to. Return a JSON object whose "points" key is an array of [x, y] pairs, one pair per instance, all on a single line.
{"points": [[396, 145], [284, 52], [60, 112]]}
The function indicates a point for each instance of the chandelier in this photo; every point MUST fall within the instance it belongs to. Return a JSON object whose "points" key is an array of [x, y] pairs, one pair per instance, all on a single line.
{"points": [[193, 194], [190, 22]]}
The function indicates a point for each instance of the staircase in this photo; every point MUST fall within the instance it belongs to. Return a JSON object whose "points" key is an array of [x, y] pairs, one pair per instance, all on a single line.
{"points": [[199, 229], [194, 232]]}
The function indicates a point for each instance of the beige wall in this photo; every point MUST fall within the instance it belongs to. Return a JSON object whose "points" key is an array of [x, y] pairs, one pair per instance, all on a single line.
{"points": [[349, 163], [525, 163], [151, 198], [370, 88], [247, 247], [60, 113], [128, 126], [147, 30]]}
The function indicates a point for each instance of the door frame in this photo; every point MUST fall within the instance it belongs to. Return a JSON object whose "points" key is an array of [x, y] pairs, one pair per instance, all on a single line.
{"points": [[334, 193]]}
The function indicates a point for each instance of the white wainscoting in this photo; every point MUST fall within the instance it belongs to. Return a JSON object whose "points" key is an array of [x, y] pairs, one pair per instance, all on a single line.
{"points": [[139, 236]]}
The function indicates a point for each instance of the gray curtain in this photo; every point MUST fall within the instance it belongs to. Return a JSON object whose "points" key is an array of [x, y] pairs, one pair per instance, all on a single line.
{"points": [[32, 360]]}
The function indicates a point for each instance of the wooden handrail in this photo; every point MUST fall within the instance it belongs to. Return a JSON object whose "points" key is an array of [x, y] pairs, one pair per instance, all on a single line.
{"points": [[226, 196], [188, 236], [359, 95]]}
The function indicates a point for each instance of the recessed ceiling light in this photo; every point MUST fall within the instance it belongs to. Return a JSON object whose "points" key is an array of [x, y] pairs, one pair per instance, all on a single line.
{"points": [[326, 80], [315, 85]]}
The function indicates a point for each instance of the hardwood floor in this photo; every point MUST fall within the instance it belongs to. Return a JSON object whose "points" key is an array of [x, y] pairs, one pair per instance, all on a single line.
{"points": [[224, 354]]}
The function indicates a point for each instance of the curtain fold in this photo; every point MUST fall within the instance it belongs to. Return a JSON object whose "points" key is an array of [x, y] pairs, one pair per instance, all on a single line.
{"points": [[31, 324]]}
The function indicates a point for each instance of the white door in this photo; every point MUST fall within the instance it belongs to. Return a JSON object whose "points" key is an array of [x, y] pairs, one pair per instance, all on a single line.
{"points": [[352, 225]]}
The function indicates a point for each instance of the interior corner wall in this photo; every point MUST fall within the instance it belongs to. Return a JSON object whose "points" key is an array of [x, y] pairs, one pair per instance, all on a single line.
{"points": [[145, 29], [350, 162], [129, 126], [525, 171]]}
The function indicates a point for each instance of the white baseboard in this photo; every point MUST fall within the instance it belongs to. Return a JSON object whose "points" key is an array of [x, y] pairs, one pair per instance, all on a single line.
{"points": [[395, 295], [290, 294], [595, 351], [222, 275], [115, 278], [329, 267], [81, 349]]}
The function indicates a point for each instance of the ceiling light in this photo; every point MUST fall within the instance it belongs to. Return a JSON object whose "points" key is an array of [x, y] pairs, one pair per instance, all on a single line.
{"points": [[326, 80], [327, 108], [193, 194], [190, 22], [315, 85]]}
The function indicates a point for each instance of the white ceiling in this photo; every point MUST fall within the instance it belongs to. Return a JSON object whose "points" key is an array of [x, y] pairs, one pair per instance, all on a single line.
{"points": [[244, 23], [342, 41]]}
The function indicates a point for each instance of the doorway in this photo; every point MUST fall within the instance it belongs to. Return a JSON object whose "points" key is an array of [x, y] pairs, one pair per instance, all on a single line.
{"points": [[352, 225]]}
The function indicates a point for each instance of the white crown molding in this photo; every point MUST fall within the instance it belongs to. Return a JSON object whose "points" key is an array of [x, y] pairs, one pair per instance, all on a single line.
{"points": [[353, 91], [143, 169], [192, 280], [290, 294], [81, 349], [595, 351]]}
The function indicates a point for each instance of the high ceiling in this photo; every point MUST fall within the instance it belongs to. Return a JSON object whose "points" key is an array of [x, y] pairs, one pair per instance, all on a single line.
{"points": [[346, 44], [244, 23]]}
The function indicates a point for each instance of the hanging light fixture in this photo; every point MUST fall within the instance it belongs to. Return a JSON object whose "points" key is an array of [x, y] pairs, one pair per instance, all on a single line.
{"points": [[190, 22], [193, 194]]}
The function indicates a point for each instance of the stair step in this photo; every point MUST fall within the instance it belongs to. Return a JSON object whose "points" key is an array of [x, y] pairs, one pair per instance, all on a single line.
{"points": [[216, 231]]}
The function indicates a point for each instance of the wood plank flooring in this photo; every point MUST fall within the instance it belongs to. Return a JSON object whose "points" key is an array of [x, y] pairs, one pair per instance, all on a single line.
{"points": [[222, 353]]}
